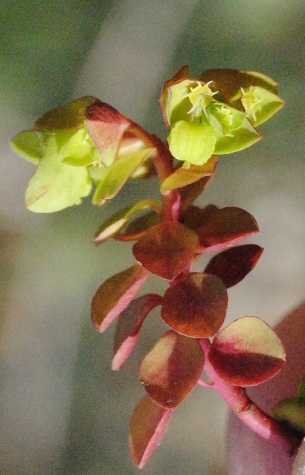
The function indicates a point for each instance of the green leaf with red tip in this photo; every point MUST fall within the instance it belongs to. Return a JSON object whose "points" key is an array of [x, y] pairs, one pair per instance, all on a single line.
{"points": [[186, 175], [195, 305], [147, 425], [171, 369], [119, 220], [55, 185], [232, 265], [68, 116], [138, 227], [192, 142], [116, 176], [129, 325], [166, 249], [115, 294], [226, 227], [247, 352], [27, 144]]}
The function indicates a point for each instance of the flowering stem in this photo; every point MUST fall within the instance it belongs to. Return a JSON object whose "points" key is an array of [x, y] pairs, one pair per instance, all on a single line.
{"points": [[245, 409]]}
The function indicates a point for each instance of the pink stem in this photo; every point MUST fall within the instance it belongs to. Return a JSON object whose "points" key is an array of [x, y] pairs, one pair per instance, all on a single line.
{"points": [[245, 409]]}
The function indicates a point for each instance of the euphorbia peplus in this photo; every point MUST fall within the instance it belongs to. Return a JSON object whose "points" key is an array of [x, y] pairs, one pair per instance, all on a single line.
{"points": [[88, 144]]}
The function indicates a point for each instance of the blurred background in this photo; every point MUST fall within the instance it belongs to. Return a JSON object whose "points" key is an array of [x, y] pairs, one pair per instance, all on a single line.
{"points": [[62, 409]]}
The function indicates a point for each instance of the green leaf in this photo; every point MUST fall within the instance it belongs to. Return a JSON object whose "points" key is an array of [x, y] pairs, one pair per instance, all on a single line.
{"points": [[171, 369], [117, 175], [79, 150], [238, 139], [192, 142], [186, 175], [68, 116], [260, 104], [291, 410], [178, 104], [115, 294], [195, 305], [166, 94], [27, 144], [301, 389], [247, 352], [116, 222], [55, 186]]}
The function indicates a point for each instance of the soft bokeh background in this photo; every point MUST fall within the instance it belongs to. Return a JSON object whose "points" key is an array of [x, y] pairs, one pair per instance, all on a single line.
{"points": [[62, 410]]}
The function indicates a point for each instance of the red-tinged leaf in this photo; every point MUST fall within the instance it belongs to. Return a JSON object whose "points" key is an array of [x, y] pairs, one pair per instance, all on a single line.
{"points": [[229, 81], [232, 265], [190, 192], [195, 305], [183, 73], [225, 228], [115, 294], [195, 217], [119, 220], [166, 249], [136, 228], [106, 127], [171, 369], [147, 425], [129, 326], [185, 176], [247, 352]]}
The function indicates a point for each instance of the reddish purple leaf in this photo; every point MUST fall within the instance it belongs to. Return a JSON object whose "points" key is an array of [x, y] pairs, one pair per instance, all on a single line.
{"points": [[171, 369], [232, 265], [166, 249], [247, 352], [195, 305], [129, 326], [115, 294], [147, 425], [138, 227], [195, 217], [225, 228], [190, 192]]}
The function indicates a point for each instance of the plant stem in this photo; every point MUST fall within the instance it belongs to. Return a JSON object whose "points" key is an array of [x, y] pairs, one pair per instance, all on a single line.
{"points": [[245, 409], [163, 162]]}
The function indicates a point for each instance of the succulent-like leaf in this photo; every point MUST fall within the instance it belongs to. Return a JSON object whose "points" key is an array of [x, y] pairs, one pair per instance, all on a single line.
{"points": [[196, 217], [192, 142], [116, 176], [119, 220], [186, 175], [27, 144], [147, 425], [226, 227], [232, 265], [247, 352], [129, 325], [115, 294], [195, 305], [171, 369], [166, 249], [55, 185]]}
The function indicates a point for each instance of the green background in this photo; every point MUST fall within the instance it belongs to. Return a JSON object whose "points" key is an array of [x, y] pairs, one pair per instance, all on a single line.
{"points": [[62, 410]]}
